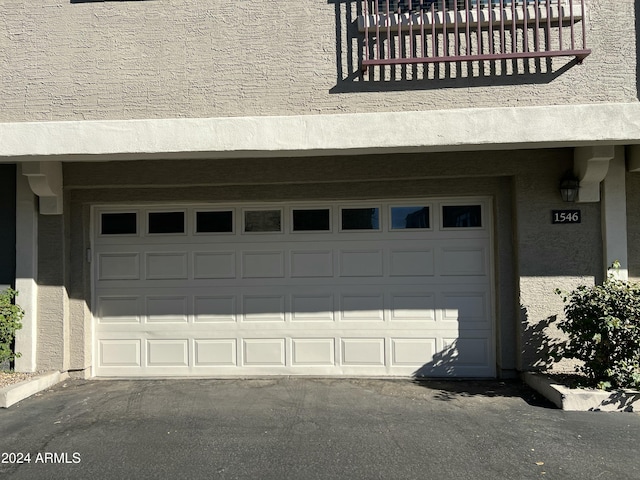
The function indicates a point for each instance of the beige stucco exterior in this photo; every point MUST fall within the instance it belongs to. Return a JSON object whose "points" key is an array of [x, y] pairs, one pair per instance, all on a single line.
{"points": [[188, 58]]}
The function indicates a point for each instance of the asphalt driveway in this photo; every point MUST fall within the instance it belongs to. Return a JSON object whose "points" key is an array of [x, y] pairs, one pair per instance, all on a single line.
{"points": [[296, 428]]}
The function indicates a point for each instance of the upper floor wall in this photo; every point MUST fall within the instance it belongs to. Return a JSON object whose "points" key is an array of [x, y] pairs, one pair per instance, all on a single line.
{"points": [[102, 60]]}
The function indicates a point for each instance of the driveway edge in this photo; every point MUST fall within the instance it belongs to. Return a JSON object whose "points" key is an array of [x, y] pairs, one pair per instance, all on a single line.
{"points": [[581, 399], [14, 393]]}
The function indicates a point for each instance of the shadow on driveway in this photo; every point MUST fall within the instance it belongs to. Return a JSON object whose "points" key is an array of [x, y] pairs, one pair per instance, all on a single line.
{"points": [[450, 390]]}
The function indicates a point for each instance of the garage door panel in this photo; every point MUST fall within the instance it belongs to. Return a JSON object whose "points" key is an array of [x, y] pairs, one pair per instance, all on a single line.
{"points": [[362, 307], [337, 302], [213, 309], [166, 266], [316, 308], [263, 351], [119, 352], [212, 265], [313, 351], [469, 306], [363, 351], [466, 307], [408, 356], [411, 263], [412, 307], [215, 352], [119, 309], [466, 351], [311, 264], [167, 309], [262, 264], [361, 263], [463, 261], [263, 308], [168, 353], [118, 266], [414, 352]]}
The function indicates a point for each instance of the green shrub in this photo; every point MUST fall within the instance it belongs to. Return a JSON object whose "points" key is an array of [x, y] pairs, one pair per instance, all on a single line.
{"points": [[10, 316], [603, 326]]}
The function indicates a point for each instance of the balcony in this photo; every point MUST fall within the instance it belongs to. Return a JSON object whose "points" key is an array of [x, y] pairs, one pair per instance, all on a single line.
{"points": [[406, 32]]}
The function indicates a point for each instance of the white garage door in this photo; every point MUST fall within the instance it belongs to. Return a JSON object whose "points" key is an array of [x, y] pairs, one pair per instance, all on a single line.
{"points": [[371, 288]]}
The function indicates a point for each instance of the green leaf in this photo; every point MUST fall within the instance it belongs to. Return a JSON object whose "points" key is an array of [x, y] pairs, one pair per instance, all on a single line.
{"points": [[10, 321]]}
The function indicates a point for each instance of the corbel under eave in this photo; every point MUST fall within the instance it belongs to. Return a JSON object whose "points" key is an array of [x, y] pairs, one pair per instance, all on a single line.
{"points": [[590, 164], [45, 180]]}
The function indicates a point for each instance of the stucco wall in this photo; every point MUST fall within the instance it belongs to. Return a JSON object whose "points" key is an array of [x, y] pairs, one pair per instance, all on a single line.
{"points": [[187, 58], [54, 340], [551, 256], [523, 185]]}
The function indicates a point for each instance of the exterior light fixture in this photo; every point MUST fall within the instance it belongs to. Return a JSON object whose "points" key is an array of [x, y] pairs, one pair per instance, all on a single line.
{"points": [[569, 187]]}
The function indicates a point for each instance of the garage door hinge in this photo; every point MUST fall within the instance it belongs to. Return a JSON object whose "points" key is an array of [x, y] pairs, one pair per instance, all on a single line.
{"points": [[88, 255]]}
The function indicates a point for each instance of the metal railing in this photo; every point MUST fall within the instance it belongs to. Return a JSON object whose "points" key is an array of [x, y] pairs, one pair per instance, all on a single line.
{"points": [[400, 32]]}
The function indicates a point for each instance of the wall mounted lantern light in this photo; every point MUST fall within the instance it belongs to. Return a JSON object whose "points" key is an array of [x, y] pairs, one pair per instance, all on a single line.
{"points": [[569, 187]]}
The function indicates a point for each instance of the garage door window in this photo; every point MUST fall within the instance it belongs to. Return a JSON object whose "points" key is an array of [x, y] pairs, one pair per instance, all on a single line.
{"points": [[214, 222], [166, 222], [263, 221], [409, 217], [311, 220], [125, 223], [461, 216], [360, 219]]}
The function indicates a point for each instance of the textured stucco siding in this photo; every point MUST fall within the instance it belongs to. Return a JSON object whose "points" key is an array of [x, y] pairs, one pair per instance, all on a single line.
{"points": [[188, 58], [54, 340], [523, 185], [551, 256]]}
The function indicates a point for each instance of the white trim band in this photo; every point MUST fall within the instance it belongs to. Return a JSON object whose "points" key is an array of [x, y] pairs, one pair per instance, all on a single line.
{"points": [[308, 135]]}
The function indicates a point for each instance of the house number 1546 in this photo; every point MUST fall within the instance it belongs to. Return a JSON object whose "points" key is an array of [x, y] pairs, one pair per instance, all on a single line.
{"points": [[565, 216]]}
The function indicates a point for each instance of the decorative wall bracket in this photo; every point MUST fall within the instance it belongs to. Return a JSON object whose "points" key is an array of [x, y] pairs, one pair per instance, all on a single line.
{"points": [[45, 180], [590, 164]]}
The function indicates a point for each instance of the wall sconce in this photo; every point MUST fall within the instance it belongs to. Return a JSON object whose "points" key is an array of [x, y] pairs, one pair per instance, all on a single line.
{"points": [[569, 187]]}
